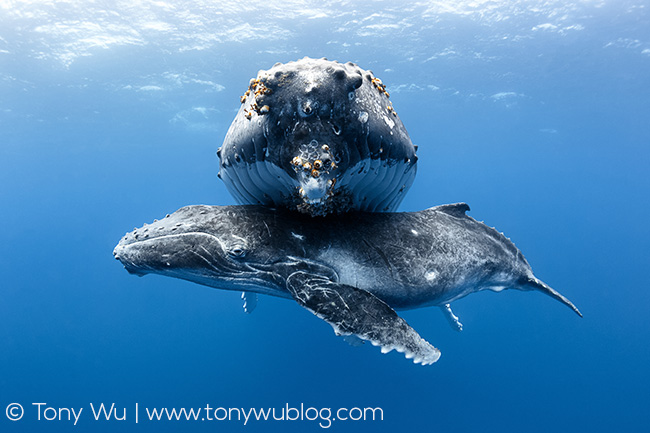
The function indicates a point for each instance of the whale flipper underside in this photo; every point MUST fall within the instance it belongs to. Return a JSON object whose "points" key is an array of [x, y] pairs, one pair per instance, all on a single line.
{"points": [[250, 301], [453, 320], [354, 311]]}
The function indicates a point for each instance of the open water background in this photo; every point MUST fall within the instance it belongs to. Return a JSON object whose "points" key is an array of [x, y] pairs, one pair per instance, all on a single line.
{"points": [[536, 113]]}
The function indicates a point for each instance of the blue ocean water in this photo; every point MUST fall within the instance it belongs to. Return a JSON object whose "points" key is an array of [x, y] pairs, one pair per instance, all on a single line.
{"points": [[536, 113]]}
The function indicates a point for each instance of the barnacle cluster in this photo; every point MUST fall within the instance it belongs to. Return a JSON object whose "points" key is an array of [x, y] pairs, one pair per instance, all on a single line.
{"points": [[313, 166], [380, 86], [245, 95], [314, 160], [382, 89], [258, 89]]}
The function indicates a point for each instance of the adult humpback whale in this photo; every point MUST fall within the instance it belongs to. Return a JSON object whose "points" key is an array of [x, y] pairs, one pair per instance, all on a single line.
{"points": [[352, 271], [320, 137]]}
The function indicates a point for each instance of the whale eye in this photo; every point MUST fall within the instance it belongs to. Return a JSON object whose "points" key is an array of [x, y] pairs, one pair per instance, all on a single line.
{"points": [[237, 252]]}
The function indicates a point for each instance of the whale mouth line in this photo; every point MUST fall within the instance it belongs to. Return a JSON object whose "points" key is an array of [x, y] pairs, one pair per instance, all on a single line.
{"points": [[119, 252], [165, 236], [136, 256], [206, 266]]}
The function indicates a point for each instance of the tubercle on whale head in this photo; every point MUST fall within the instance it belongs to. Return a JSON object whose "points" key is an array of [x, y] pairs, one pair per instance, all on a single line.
{"points": [[310, 86]]}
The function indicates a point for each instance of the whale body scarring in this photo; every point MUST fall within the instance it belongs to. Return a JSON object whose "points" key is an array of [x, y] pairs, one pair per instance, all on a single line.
{"points": [[319, 137], [352, 271]]}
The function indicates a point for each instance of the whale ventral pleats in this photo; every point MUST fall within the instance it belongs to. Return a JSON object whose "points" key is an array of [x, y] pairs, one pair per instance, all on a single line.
{"points": [[319, 137]]}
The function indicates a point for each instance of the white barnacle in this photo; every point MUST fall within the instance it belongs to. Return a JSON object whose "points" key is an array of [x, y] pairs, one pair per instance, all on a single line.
{"points": [[414, 232]]}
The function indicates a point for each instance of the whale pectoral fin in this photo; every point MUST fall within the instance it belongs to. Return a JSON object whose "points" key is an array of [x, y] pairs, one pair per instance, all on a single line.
{"points": [[354, 311], [250, 301], [453, 320]]}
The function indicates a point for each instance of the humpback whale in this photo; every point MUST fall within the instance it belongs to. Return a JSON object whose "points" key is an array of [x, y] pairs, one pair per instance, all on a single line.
{"points": [[352, 270], [319, 137]]}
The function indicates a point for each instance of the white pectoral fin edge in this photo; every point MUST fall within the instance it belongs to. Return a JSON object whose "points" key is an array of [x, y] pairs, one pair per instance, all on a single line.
{"points": [[353, 311], [453, 320], [250, 301]]}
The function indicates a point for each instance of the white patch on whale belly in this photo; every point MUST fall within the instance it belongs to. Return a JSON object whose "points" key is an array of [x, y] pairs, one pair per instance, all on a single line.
{"points": [[431, 275]]}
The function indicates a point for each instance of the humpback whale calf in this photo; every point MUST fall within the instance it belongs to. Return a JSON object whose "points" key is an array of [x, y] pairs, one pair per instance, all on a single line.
{"points": [[352, 270], [319, 137]]}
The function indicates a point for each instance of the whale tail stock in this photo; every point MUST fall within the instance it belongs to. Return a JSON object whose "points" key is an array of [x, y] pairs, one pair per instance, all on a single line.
{"points": [[533, 283]]}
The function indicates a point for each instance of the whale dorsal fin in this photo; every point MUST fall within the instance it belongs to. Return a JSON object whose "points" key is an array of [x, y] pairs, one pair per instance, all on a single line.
{"points": [[456, 209]]}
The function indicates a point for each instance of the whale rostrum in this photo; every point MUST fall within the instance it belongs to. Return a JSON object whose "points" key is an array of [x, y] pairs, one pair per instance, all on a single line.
{"points": [[352, 270]]}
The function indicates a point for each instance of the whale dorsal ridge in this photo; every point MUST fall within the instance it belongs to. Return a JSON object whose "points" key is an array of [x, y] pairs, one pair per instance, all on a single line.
{"points": [[456, 209]]}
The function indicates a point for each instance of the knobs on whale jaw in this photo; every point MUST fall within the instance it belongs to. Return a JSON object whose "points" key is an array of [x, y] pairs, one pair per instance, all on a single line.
{"points": [[319, 137]]}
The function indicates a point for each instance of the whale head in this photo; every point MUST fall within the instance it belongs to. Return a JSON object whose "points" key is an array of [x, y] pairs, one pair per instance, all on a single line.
{"points": [[319, 137], [219, 247]]}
